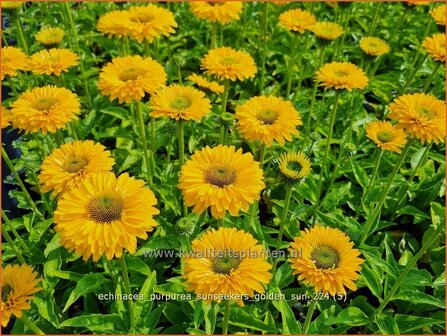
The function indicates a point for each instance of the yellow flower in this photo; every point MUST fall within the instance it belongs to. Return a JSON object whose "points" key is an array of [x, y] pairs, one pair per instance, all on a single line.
{"points": [[149, 22], [421, 115], [45, 109], [19, 284], [435, 46], [327, 30], [69, 165], [294, 166], [386, 135], [222, 12], [114, 23], [13, 59], [227, 63], [374, 46], [8, 5], [326, 259], [104, 215], [50, 36], [53, 61], [180, 102], [297, 20], [222, 179], [417, 2], [130, 78], [439, 14], [341, 75], [227, 262], [206, 84], [5, 117], [266, 119]]}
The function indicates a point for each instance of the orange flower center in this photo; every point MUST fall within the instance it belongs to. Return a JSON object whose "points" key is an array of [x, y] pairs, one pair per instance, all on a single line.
{"points": [[267, 117], [106, 207], [220, 176]]}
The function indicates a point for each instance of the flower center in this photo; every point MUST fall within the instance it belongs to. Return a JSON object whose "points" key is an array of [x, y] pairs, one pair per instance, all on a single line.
{"points": [[220, 176], [225, 264], [105, 208], [142, 18], [180, 103], [325, 257], [341, 73], [227, 60], [131, 73], [267, 117], [426, 112], [385, 136], [75, 165], [45, 103], [214, 4], [294, 165]]}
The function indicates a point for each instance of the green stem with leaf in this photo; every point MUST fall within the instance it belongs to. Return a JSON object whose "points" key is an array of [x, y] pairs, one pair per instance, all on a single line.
{"points": [[226, 318], [264, 27], [375, 170], [143, 139], [368, 229], [31, 325], [128, 289], [224, 109], [309, 314]]}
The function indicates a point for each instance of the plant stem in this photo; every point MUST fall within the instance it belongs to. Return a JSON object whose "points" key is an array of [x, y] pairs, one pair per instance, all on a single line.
{"points": [[144, 141], [213, 35], [427, 244], [13, 246], [328, 145], [14, 231], [372, 217], [430, 78], [30, 324], [224, 109], [264, 45], [20, 183], [375, 170], [314, 93], [300, 78], [20, 33], [181, 142], [129, 292], [412, 74], [401, 194], [153, 149], [285, 210], [226, 317], [310, 312], [72, 29], [374, 21], [291, 64]]}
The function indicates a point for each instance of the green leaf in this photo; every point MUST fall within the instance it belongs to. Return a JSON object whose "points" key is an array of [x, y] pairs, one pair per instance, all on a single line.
{"points": [[351, 316], [144, 307], [87, 284], [437, 212], [409, 323], [152, 319], [39, 229], [240, 318], [136, 264], [416, 297], [103, 324], [46, 306], [439, 282], [289, 323], [386, 324], [372, 280], [210, 316], [418, 215], [359, 173]]}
